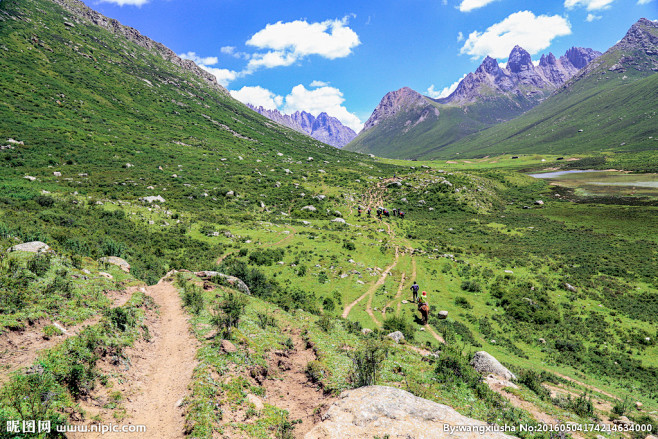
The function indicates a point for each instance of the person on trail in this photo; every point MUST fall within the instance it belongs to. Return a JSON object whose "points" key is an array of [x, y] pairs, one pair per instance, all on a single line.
{"points": [[401, 214], [414, 292], [395, 212], [379, 213], [386, 213], [424, 307], [369, 210], [359, 212]]}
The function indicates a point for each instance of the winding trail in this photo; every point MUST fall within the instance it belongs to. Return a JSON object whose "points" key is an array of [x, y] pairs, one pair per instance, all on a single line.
{"points": [[161, 371], [371, 291], [397, 296]]}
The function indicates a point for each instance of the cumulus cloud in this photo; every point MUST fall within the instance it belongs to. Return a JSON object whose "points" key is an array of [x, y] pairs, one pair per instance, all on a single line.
{"points": [[469, 5], [533, 33], [208, 61], [318, 84], [291, 41], [644, 2], [323, 99], [224, 76], [592, 17], [590, 5], [436, 94], [460, 37], [258, 97], [126, 2]]}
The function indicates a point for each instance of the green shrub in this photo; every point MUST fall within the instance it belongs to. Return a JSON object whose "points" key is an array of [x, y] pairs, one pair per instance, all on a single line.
{"points": [[367, 362], [397, 323], [533, 381], [316, 371], [51, 331], [265, 319], [227, 313], [325, 323], [622, 407], [39, 264], [193, 297], [471, 286], [462, 302]]}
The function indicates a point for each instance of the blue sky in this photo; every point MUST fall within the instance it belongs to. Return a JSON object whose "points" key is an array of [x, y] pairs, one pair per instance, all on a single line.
{"points": [[342, 56]]}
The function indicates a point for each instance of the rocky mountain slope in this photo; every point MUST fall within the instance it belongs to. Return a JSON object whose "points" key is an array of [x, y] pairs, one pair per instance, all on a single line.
{"points": [[324, 128], [490, 95], [609, 104]]}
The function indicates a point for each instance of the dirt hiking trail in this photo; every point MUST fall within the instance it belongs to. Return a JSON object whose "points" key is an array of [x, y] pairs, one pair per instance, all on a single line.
{"points": [[161, 371]]}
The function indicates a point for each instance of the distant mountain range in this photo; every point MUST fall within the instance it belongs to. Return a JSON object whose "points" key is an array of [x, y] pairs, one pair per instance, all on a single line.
{"points": [[493, 102], [324, 128]]}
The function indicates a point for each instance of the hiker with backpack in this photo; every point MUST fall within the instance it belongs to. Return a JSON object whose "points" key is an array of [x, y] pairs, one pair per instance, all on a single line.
{"points": [[414, 292]]}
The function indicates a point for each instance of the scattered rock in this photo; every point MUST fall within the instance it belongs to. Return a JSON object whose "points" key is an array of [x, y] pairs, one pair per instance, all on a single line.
{"points": [[232, 280], [32, 247], [485, 363], [366, 331], [405, 302], [638, 405], [105, 275], [570, 287], [310, 208], [114, 260], [380, 411], [623, 421], [256, 401], [539, 202], [229, 194], [338, 220], [29, 177], [57, 174], [152, 199], [228, 347], [542, 341], [397, 336], [443, 314]]}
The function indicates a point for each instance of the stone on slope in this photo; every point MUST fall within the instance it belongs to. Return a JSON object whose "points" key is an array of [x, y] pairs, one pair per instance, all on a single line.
{"points": [[379, 411], [115, 260], [32, 247], [397, 336], [485, 363]]}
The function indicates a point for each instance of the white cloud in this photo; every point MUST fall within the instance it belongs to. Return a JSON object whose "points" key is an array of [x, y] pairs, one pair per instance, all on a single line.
{"points": [[460, 37], [289, 42], [224, 76], [324, 99], [590, 5], [436, 94], [208, 61], [469, 5], [444, 2], [258, 97], [533, 33], [227, 50], [126, 2], [592, 17], [269, 60], [318, 84], [644, 2]]}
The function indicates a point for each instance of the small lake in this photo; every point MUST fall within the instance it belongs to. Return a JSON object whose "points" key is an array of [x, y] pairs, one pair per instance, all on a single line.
{"points": [[587, 182]]}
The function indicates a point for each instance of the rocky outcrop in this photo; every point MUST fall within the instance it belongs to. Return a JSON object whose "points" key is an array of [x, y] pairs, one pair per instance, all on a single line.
{"points": [[324, 128], [521, 76], [231, 280], [379, 411], [402, 100], [32, 247], [485, 363], [115, 260]]}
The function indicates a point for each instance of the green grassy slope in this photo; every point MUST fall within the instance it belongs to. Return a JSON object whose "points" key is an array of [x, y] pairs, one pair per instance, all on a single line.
{"points": [[394, 139], [614, 114], [96, 120]]}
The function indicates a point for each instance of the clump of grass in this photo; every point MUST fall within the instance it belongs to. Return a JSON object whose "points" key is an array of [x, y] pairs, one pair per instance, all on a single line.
{"points": [[367, 362], [226, 313]]}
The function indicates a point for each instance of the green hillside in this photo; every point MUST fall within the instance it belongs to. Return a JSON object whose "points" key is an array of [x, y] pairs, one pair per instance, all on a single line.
{"points": [[394, 139], [94, 118], [613, 112]]}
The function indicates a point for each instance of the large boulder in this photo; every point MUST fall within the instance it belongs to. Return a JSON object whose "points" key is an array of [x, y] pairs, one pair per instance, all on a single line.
{"points": [[32, 247], [232, 280], [485, 363], [396, 336], [379, 411], [114, 260]]}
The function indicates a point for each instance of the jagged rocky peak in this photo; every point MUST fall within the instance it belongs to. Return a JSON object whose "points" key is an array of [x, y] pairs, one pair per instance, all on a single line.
{"points": [[489, 65], [519, 60], [579, 57], [324, 128], [393, 102], [547, 60]]}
